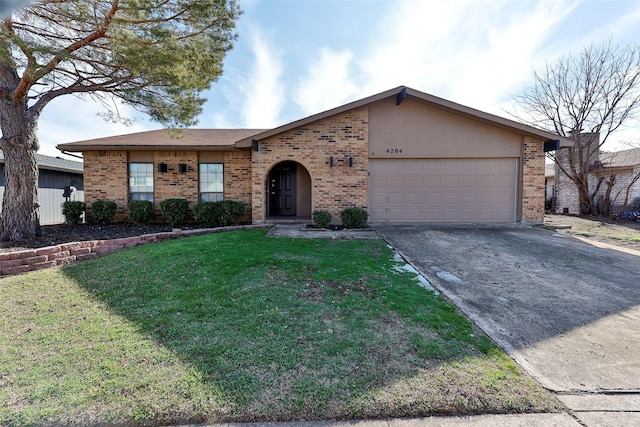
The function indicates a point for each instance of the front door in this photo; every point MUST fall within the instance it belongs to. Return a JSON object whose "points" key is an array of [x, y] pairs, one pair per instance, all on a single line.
{"points": [[282, 190]]}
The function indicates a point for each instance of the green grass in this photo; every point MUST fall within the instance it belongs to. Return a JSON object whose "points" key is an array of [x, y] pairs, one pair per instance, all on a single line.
{"points": [[627, 237], [623, 237], [238, 327]]}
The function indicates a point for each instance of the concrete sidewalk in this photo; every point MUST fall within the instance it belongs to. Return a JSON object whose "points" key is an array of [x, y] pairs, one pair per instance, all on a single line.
{"points": [[524, 420]]}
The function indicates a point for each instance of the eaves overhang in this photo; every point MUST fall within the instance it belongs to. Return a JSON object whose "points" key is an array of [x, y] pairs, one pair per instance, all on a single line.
{"points": [[111, 147], [186, 139]]}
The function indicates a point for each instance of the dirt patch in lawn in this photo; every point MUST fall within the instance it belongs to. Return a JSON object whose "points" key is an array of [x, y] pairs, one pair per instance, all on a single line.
{"points": [[621, 232]]}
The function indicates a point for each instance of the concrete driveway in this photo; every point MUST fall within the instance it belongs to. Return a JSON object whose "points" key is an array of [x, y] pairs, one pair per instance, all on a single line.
{"points": [[567, 311]]}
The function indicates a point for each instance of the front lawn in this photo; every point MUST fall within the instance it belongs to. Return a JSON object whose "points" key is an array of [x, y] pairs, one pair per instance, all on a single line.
{"points": [[239, 327]]}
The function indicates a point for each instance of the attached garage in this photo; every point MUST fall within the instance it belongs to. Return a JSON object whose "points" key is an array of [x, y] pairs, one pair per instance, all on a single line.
{"points": [[443, 190], [434, 161]]}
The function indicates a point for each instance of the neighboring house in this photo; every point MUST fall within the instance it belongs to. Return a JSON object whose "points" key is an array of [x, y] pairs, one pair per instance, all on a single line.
{"points": [[404, 155], [55, 174], [549, 185], [623, 165]]}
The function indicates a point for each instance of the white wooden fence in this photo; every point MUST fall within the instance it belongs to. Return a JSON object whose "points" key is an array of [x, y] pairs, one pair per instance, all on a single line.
{"points": [[51, 204]]}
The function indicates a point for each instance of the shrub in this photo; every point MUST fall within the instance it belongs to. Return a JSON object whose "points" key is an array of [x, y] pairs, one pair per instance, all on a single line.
{"points": [[73, 211], [174, 210], [218, 214], [354, 217], [140, 210], [103, 211], [321, 218]]}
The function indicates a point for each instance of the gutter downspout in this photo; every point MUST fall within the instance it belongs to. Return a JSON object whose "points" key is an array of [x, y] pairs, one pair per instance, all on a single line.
{"points": [[72, 155]]}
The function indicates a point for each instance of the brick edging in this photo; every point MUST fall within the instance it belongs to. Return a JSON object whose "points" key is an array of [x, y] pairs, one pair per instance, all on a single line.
{"points": [[18, 262]]}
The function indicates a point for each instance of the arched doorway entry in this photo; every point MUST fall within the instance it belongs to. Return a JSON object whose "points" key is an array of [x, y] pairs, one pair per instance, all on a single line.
{"points": [[289, 191]]}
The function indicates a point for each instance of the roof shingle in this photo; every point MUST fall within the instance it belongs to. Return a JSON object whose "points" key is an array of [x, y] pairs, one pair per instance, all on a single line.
{"points": [[624, 158], [200, 139], [55, 163]]}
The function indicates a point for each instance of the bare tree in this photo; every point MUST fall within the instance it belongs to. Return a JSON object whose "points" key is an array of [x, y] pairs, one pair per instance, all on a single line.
{"points": [[154, 55], [596, 92], [633, 181]]}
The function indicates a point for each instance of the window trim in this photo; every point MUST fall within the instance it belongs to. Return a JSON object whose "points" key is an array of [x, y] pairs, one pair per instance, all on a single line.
{"points": [[129, 187], [218, 195]]}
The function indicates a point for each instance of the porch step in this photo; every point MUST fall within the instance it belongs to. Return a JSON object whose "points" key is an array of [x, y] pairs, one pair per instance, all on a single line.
{"points": [[287, 220]]}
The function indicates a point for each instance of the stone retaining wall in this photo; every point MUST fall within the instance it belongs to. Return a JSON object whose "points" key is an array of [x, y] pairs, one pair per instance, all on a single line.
{"points": [[12, 263]]}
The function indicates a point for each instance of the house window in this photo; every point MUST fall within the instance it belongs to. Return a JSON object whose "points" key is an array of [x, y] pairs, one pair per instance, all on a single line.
{"points": [[141, 181], [211, 182]]}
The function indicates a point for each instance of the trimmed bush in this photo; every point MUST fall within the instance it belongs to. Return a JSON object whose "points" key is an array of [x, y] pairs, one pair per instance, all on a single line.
{"points": [[140, 211], [103, 211], [354, 217], [321, 218], [219, 214], [203, 214], [73, 211], [174, 210]]}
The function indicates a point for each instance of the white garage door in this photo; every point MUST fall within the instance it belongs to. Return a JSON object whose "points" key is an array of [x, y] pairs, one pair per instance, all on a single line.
{"points": [[442, 190]]}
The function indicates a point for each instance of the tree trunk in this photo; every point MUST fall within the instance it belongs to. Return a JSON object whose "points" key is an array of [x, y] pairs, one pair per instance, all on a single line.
{"points": [[628, 191], [586, 204], [20, 216], [605, 209]]}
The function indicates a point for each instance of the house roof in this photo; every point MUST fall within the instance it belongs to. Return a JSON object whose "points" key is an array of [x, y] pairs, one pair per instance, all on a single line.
{"points": [[199, 139], [55, 163], [610, 160], [422, 97], [624, 158], [225, 139]]}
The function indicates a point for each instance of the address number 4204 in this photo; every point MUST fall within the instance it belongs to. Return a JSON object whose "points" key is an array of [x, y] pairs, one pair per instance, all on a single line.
{"points": [[394, 150]]}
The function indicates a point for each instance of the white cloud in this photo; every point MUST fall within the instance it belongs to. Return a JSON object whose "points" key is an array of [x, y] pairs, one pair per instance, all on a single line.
{"points": [[327, 84], [469, 52], [262, 88], [70, 119], [221, 121], [505, 61]]}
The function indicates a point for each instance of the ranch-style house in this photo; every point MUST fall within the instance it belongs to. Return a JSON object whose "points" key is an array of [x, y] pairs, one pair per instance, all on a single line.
{"points": [[403, 155]]}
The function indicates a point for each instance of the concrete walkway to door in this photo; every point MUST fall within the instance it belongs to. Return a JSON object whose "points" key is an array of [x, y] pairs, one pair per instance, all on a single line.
{"points": [[567, 311]]}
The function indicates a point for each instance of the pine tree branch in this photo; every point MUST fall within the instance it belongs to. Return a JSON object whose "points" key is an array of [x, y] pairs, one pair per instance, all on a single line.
{"points": [[28, 78]]}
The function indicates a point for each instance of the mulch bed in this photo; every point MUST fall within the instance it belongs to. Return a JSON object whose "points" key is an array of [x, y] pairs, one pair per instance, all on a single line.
{"points": [[63, 233]]}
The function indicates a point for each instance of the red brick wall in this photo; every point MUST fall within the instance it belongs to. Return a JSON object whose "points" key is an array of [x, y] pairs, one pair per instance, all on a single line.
{"points": [[237, 178], [173, 184], [532, 180], [332, 188], [105, 178]]}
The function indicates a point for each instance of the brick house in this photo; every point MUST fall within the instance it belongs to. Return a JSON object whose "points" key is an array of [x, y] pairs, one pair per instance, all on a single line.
{"points": [[623, 166], [404, 155]]}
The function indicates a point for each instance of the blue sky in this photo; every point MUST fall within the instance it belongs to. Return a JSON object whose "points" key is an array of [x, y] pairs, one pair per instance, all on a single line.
{"points": [[294, 58]]}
